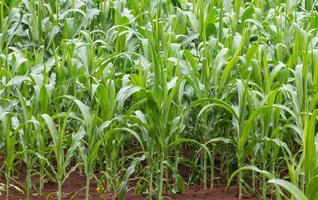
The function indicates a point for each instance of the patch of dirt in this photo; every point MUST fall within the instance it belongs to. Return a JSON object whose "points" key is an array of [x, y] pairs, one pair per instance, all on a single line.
{"points": [[197, 193], [74, 188]]}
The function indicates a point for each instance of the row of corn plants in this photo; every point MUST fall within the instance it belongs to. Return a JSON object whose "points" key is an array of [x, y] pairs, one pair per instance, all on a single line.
{"points": [[122, 90]]}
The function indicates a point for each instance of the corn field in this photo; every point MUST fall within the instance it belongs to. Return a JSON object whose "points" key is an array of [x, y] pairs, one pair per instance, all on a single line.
{"points": [[129, 92]]}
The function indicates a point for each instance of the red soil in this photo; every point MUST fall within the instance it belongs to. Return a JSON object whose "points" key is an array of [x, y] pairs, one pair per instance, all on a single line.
{"points": [[74, 189]]}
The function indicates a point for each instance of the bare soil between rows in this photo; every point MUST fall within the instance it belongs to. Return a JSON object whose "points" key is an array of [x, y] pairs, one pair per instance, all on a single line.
{"points": [[74, 188]]}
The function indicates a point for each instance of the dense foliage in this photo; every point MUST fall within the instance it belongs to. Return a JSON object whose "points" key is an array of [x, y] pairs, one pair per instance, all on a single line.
{"points": [[122, 89]]}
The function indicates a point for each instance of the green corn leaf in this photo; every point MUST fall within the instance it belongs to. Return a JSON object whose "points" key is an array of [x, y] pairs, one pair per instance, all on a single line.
{"points": [[294, 191]]}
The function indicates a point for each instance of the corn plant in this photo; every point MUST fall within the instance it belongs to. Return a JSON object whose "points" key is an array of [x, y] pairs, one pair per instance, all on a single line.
{"points": [[62, 160]]}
